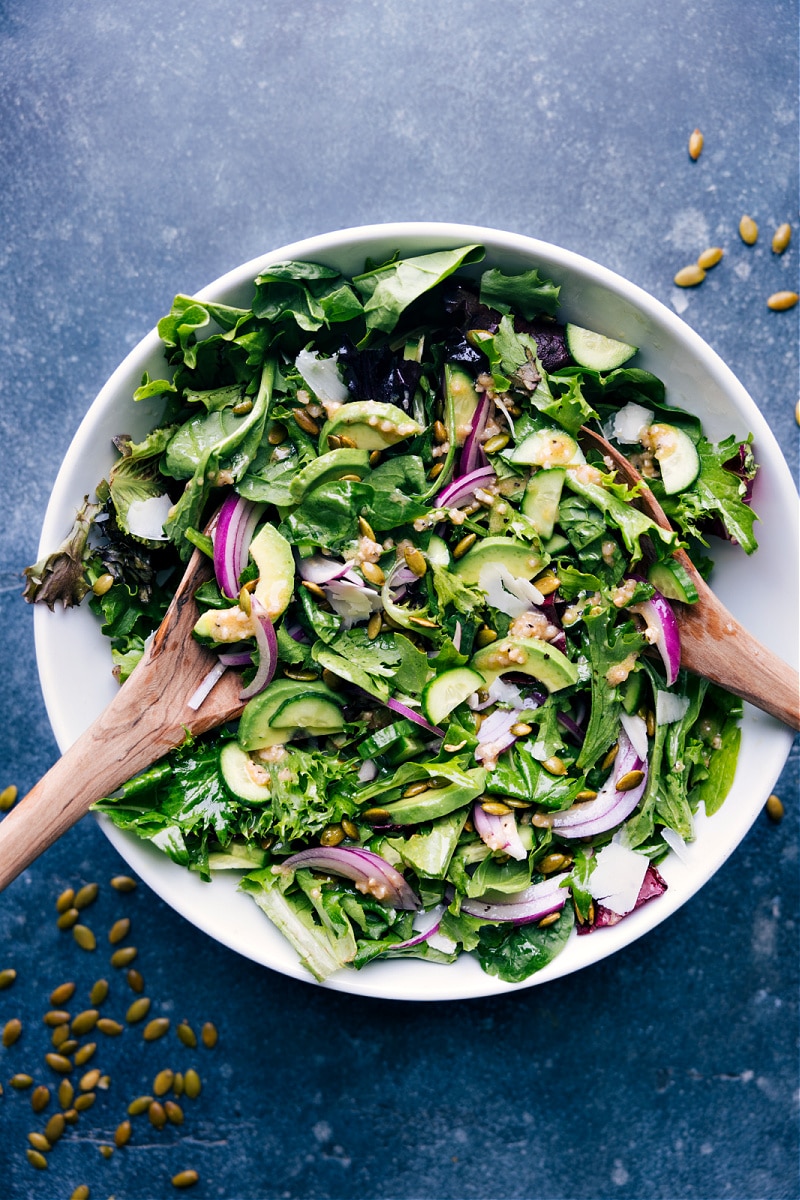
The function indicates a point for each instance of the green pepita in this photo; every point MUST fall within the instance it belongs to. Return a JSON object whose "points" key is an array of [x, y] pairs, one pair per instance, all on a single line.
{"points": [[62, 994], [40, 1098], [119, 930], [209, 1035], [187, 1035], [163, 1081], [85, 1101], [155, 1029], [21, 1081], [84, 937], [8, 797], [122, 1134], [7, 977], [54, 1127], [85, 1021], [138, 1010], [99, 992], [156, 1115], [84, 1053], [748, 230], [185, 1179], [59, 1063], [174, 1112], [135, 981], [191, 1084], [90, 1080], [68, 918], [12, 1031], [689, 276], [109, 1027], [123, 883], [39, 1142], [86, 895], [37, 1159], [66, 1093], [139, 1105], [123, 957]]}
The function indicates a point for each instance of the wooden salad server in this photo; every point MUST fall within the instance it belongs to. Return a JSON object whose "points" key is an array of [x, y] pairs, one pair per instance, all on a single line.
{"points": [[148, 717], [713, 643]]}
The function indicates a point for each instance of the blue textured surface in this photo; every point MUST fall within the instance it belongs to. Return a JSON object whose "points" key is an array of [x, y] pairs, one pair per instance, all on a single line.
{"points": [[146, 149]]}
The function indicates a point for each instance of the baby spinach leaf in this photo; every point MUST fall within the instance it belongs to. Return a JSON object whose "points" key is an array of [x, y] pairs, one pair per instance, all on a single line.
{"points": [[515, 954]]}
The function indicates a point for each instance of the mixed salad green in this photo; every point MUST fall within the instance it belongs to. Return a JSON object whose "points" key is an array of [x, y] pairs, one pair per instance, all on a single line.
{"points": [[467, 727]]}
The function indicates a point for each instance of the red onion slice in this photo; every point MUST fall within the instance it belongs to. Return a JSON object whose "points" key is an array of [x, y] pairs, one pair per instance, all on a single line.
{"points": [[206, 684], [494, 735], [521, 908], [232, 536], [462, 489], [319, 569], [660, 618], [499, 832], [472, 455], [409, 713], [430, 922], [267, 644], [371, 874], [610, 807]]}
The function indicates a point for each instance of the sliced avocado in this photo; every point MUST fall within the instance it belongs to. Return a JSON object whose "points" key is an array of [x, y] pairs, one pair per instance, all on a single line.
{"points": [[236, 768], [461, 389], [333, 465], [437, 802], [517, 557], [370, 424], [255, 730], [528, 656], [272, 554]]}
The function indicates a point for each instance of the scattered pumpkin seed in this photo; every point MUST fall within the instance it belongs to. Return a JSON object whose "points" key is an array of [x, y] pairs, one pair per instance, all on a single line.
{"points": [[185, 1179], [423, 622], [7, 977], [243, 407], [695, 144], [774, 807], [416, 789], [21, 1081], [415, 561], [106, 1151], [90, 1080], [81, 1192], [135, 980], [350, 828], [334, 441], [513, 802], [376, 816], [331, 835], [174, 1112], [464, 545], [163, 1081], [60, 1036], [555, 765], [306, 422], [187, 1035], [191, 1084], [780, 301], [710, 257], [553, 862], [99, 992], [435, 471], [123, 957], [439, 432], [177, 1086], [84, 937], [374, 626], [8, 797], [629, 781], [123, 883], [54, 1127], [689, 276], [586, 794], [155, 1029], [84, 1053], [373, 573], [547, 583], [347, 442], [485, 636], [139, 1105], [138, 1010], [40, 1098], [68, 1047], [84, 1101], [71, 1116], [375, 457], [59, 1063], [209, 1035], [119, 930], [68, 918], [350, 477], [37, 1159], [365, 529], [521, 729], [85, 1021], [66, 1093], [781, 238], [62, 994], [314, 589], [156, 1115], [748, 230], [56, 1016], [39, 1142], [86, 895], [550, 919], [65, 900], [542, 820], [495, 444], [609, 758], [12, 1031], [109, 1027], [495, 808], [122, 1134]]}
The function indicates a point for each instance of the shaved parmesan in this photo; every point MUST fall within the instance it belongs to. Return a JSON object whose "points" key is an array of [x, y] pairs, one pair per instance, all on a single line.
{"points": [[322, 376], [618, 877], [146, 518]]}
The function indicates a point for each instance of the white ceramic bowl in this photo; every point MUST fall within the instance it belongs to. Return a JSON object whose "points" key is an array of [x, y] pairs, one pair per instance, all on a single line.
{"points": [[74, 662]]}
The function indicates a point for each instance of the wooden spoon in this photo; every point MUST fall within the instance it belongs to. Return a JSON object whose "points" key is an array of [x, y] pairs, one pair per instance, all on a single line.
{"points": [[147, 717], [713, 643]]}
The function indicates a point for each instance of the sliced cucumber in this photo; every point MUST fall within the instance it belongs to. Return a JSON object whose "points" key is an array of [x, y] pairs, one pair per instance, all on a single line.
{"points": [[548, 448], [316, 714], [540, 502], [438, 554], [593, 350], [255, 724], [673, 581], [676, 455], [461, 389], [236, 767], [447, 691]]}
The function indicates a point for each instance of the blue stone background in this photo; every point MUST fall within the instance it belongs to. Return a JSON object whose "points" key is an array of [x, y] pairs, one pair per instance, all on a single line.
{"points": [[146, 148]]}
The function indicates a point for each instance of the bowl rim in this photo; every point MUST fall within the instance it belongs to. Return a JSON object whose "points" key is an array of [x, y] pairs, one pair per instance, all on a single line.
{"points": [[430, 234]]}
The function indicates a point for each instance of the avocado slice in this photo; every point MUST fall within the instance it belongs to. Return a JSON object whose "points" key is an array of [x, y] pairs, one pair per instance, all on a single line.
{"points": [[517, 557], [333, 465], [528, 656], [370, 424]]}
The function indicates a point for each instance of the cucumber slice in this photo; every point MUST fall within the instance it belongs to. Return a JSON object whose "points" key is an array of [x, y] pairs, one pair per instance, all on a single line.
{"points": [[673, 581], [447, 691], [593, 350], [235, 767], [548, 448], [676, 455], [316, 714], [438, 554], [542, 495], [255, 724]]}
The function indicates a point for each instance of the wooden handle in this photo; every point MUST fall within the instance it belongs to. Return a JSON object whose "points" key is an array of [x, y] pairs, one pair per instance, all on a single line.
{"points": [[148, 717]]}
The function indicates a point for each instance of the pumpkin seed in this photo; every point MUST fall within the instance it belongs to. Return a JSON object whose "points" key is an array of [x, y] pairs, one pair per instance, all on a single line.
{"points": [[521, 729], [163, 1081], [415, 561], [331, 835], [68, 918], [351, 477], [586, 794], [84, 1101], [550, 919], [55, 1017], [513, 802], [191, 1084], [334, 441], [495, 808], [695, 144], [374, 626], [439, 432], [485, 636], [39, 1142], [689, 276], [314, 589], [748, 230], [84, 937], [122, 1134], [21, 1081], [435, 471], [174, 1112], [185, 1179], [209, 1035], [553, 862], [60, 995], [376, 816], [423, 622], [86, 895], [40, 1098], [123, 957], [65, 900], [555, 765], [135, 981], [65, 1094], [609, 758], [780, 301], [109, 1027], [774, 807], [71, 1116], [59, 1063], [138, 1010], [373, 573], [123, 883], [7, 977], [139, 1105], [84, 1053], [81, 1192], [85, 1021], [54, 1127], [67, 1047], [375, 457], [119, 930], [542, 820], [495, 444], [243, 407], [12, 1031], [155, 1029], [99, 992], [103, 584], [36, 1159], [106, 1151], [156, 1115], [365, 529], [464, 545], [177, 1086], [629, 781], [306, 423], [90, 1080], [781, 238], [416, 789], [710, 257], [8, 797], [187, 1035], [547, 583], [348, 442]]}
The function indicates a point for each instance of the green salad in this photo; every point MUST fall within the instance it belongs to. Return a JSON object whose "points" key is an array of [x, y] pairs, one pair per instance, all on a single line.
{"points": [[467, 728]]}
